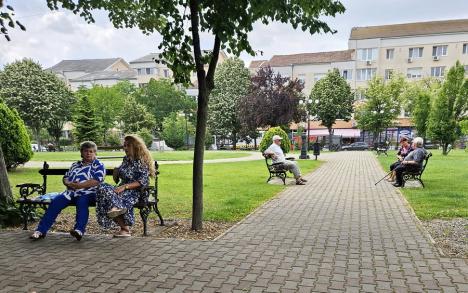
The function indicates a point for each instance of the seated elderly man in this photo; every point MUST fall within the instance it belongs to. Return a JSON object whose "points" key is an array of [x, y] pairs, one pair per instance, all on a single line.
{"points": [[413, 161], [277, 156]]}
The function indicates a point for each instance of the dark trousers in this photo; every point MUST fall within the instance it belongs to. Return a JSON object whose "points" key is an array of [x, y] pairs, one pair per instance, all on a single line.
{"points": [[59, 203], [404, 168], [394, 165]]}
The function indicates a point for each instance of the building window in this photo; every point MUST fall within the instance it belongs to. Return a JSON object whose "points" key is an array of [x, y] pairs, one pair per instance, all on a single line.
{"points": [[347, 74], [166, 72], [415, 72], [140, 71], [390, 53], [319, 76], [415, 52], [465, 48], [149, 71], [360, 96], [369, 54], [439, 50], [388, 73], [438, 71], [365, 74], [466, 69]]}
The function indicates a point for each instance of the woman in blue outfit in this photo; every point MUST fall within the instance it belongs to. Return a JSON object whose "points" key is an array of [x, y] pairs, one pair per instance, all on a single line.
{"points": [[81, 181], [114, 205]]}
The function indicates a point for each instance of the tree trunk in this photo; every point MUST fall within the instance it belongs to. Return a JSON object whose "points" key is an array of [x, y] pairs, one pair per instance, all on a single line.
{"points": [[234, 141], [255, 143], [330, 138], [205, 85], [444, 148], [5, 190]]}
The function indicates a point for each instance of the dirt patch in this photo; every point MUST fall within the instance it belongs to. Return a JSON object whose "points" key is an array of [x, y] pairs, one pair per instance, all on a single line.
{"points": [[180, 229], [450, 235]]}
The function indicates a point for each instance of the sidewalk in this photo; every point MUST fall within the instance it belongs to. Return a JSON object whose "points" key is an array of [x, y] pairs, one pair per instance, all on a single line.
{"points": [[114, 163], [337, 233]]}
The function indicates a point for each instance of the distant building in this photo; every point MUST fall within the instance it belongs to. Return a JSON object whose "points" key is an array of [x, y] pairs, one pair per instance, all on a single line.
{"points": [[89, 72], [147, 68]]}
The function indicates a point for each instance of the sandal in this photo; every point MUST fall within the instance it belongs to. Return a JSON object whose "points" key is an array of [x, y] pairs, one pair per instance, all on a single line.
{"points": [[77, 234], [36, 235], [300, 182], [303, 180], [114, 213], [122, 234]]}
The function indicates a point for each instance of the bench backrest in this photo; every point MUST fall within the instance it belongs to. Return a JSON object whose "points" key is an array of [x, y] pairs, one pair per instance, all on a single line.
{"points": [[47, 171], [272, 166], [428, 155]]}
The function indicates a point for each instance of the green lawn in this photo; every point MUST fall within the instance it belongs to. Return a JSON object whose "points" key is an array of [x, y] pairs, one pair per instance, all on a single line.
{"points": [[231, 190], [446, 181], [160, 156]]}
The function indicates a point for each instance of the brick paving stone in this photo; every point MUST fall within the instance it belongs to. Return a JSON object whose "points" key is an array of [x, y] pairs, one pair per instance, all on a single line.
{"points": [[339, 232]]}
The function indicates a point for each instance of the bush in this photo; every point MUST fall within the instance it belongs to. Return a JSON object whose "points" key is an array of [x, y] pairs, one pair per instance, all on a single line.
{"points": [[9, 215], [113, 140], [174, 131], [268, 136], [14, 138], [147, 137]]}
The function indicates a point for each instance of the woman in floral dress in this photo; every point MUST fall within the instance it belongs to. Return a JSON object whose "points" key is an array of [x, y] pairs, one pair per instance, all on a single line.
{"points": [[114, 205]]}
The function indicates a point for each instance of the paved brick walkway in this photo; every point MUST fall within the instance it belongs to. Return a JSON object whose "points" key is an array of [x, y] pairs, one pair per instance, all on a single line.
{"points": [[338, 233]]}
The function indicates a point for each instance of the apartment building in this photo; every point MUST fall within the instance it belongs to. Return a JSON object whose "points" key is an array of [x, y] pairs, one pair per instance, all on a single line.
{"points": [[416, 50], [147, 68], [89, 72]]}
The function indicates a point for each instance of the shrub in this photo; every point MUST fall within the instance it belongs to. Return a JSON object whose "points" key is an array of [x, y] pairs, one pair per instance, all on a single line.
{"points": [[14, 138], [174, 131], [9, 215], [147, 137], [268, 136], [113, 140]]}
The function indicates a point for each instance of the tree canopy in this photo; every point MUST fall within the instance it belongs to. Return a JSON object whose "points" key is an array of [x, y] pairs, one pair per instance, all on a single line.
{"points": [[331, 99], [232, 82]]}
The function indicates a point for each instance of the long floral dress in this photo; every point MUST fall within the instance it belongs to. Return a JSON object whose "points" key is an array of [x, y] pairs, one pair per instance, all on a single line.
{"points": [[130, 171]]}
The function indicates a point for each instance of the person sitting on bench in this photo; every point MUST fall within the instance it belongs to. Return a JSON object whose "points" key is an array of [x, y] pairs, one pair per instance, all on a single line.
{"points": [[81, 181], [404, 150], [277, 156], [412, 162]]}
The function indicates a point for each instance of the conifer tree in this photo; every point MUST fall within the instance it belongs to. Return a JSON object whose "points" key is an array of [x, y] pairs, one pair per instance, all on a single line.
{"points": [[86, 124]]}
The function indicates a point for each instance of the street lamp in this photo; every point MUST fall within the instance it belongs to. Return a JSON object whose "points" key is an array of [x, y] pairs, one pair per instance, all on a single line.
{"points": [[306, 103], [186, 127]]}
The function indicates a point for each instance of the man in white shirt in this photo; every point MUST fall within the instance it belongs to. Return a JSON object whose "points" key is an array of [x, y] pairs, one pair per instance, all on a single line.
{"points": [[277, 156]]}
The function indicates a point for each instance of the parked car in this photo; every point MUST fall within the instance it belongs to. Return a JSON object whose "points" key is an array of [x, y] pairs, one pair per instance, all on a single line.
{"points": [[356, 146], [35, 148], [429, 145]]}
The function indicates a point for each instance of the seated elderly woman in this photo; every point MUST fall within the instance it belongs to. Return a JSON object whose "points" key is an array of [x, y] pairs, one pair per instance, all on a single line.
{"points": [[404, 150], [81, 181], [412, 163], [114, 205]]}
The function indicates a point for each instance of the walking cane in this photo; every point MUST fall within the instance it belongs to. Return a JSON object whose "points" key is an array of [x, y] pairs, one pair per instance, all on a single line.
{"points": [[383, 178]]}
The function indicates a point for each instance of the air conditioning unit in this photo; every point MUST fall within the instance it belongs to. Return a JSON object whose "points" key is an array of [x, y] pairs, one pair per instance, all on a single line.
{"points": [[435, 58], [369, 62], [410, 60]]}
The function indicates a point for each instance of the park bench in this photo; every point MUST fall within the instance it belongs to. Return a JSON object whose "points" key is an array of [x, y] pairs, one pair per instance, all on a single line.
{"points": [[381, 149], [416, 175], [147, 202], [276, 169]]}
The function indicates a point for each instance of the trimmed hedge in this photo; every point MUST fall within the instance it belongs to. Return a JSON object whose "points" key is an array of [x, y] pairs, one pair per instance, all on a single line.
{"points": [[268, 136]]}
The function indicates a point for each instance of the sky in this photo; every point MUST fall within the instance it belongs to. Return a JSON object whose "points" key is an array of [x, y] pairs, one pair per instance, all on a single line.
{"points": [[52, 36]]}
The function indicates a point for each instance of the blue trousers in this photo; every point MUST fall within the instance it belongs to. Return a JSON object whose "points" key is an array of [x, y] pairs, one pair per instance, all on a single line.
{"points": [[59, 203]]}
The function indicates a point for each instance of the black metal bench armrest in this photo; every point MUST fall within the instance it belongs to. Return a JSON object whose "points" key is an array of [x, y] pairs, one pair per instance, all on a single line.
{"points": [[290, 158], [26, 189]]}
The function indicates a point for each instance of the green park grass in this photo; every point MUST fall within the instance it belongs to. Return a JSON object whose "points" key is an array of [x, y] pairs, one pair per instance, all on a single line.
{"points": [[446, 180], [231, 190], [160, 156]]}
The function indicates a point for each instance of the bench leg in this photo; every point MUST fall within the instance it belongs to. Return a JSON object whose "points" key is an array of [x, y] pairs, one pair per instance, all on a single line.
{"points": [[144, 212], [156, 210], [24, 215], [283, 177], [269, 178], [420, 180]]}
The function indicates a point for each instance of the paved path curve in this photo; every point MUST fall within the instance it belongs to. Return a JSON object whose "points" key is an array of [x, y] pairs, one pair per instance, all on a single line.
{"points": [[114, 163], [337, 233]]}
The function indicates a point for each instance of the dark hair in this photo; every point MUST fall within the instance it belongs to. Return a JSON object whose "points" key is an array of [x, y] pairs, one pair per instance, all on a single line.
{"points": [[403, 138]]}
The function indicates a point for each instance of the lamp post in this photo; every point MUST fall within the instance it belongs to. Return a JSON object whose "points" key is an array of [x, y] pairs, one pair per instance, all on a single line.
{"points": [[306, 103], [186, 128]]}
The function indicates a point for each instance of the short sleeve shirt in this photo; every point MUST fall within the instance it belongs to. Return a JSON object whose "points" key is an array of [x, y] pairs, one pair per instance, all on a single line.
{"points": [[276, 149], [418, 155], [79, 172]]}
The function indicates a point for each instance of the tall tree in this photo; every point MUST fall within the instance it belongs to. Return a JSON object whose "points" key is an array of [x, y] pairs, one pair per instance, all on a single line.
{"points": [[331, 99], [382, 105], [180, 24], [449, 108], [136, 117], [232, 81], [85, 121], [39, 96], [161, 97], [275, 98]]}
